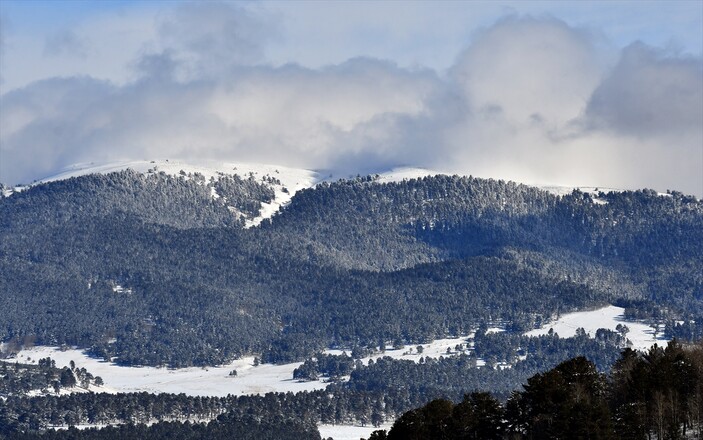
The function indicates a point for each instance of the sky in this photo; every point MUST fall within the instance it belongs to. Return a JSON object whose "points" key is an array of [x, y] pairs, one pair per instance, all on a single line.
{"points": [[605, 94]]}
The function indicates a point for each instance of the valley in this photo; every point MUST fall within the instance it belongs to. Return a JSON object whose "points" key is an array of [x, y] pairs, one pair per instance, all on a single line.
{"points": [[254, 378]]}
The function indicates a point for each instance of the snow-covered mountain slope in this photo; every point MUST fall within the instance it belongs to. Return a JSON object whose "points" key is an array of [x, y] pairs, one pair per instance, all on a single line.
{"points": [[293, 179], [402, 173], [283, 180]]}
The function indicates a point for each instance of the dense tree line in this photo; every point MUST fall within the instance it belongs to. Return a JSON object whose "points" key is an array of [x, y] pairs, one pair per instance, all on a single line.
{"points": [[37, 414], [685, 330], [452, 376], [151, 269], [330, 366], [656, 394], [508, 348], [247, 428], [19, 379]]}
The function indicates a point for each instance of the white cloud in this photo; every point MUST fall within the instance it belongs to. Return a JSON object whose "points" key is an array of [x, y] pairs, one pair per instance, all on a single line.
{"points": [[529, 70], [286, 114], [650, 92], [210, 38]]}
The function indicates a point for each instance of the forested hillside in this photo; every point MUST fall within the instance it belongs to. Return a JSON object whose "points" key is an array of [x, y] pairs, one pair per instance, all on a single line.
{"points": [[157, 269]]}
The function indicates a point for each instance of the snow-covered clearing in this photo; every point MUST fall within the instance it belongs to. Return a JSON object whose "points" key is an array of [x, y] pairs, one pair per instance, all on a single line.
{"points": [[641, 335], [349, 432], [213, 381], [250, 379], [435, 349], [292, 181]]}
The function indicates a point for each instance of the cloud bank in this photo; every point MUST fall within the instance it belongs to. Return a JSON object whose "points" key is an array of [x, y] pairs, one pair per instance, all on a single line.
{"points": [[529, 99]]}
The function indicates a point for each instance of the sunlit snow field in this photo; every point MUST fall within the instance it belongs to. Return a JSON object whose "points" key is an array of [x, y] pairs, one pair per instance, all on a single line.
{"points": [[641, 335], [349, 432]]}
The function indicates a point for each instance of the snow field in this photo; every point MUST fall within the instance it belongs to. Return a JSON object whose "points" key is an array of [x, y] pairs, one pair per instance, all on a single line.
{"points": [[349, 432], [641, 335], [435, 349], [212, 381], [264, 378], [195, 381]]}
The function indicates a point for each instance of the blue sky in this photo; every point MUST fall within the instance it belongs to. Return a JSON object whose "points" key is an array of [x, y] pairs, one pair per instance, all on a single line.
{"points": [[314, 33], [552, 92]]}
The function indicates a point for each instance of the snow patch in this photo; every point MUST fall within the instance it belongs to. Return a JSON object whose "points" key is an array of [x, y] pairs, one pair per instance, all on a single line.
{"points": [[292, 180], [195, 381], [119, 289], [65, 391], [642, 336], [566, 190], [349, 432], [405, 173], [434, 349], [490, 330]]}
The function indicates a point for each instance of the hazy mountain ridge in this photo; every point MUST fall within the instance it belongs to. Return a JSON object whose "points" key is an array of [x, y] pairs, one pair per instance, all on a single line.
{"points": [[452, 252]]}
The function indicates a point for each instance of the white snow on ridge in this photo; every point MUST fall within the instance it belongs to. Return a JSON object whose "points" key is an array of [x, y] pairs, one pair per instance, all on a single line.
{"points": [[641, 335], [565, 190], [405, 173], [592, 190], [292, 179]]}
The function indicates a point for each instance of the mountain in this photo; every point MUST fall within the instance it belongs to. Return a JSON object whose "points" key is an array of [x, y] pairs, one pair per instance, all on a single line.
{"points": [[171, 264]]}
